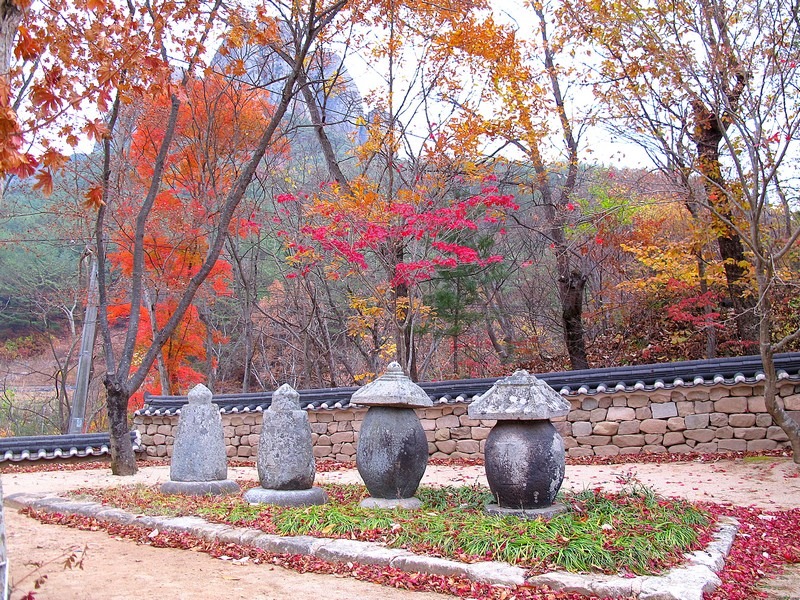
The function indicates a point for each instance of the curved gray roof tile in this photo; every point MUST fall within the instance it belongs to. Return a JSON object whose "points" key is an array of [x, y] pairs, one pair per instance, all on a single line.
{"points": [[49, 447]]}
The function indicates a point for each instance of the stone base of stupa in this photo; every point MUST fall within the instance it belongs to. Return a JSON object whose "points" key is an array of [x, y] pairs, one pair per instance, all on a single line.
{"points": [[220, 487], [391, 503], [544, 512], [260, 495]]}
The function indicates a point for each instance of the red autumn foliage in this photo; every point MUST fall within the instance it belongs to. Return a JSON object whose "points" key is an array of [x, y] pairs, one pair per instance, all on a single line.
{"points": [[766, 541], [349, 230], [172, 258], [216, 125]]}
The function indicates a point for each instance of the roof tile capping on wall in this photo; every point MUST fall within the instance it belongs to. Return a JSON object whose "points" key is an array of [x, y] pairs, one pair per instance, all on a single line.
{"points": [[58, 447], [693, 406]]}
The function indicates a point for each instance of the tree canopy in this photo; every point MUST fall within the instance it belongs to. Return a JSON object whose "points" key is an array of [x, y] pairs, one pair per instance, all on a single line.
{"points": [[303, 191]]}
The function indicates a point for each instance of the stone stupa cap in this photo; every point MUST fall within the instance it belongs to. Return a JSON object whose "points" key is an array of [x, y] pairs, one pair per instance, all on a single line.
{"points": [[285, 398], [392, 388], [519, 397], [200, 394]]}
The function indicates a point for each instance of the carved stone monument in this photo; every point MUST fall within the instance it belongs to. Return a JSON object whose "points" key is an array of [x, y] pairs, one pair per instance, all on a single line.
{"points": [[392, 450], [199, 464], [524, 454], [285, 460]]}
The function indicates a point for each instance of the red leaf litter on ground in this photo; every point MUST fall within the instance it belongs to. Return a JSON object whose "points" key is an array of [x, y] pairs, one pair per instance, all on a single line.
{"points": [[323, 466], [765, 543], [328, 465]]}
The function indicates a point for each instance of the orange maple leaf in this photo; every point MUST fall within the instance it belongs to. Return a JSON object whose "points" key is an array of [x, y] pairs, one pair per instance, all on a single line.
{"points": [[94, 197], [44, 182], [27, 48], [95, 130], [45, 97]]}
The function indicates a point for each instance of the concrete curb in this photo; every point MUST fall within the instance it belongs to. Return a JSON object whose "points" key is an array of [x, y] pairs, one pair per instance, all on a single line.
{"points": [[687, 582]]}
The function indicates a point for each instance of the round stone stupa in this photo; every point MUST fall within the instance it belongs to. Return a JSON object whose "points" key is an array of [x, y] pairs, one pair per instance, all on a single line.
{"points": [[199, 464], [285, 459], [392, 451], [524, 454]]}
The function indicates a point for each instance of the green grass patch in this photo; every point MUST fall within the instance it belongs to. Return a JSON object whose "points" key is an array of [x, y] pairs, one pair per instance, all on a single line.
{"points": [[758, 459], [634, 531]]}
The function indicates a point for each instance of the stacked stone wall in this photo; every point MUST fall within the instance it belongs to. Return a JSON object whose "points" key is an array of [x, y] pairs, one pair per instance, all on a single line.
{"points": [[706, 419], [702, 419]]}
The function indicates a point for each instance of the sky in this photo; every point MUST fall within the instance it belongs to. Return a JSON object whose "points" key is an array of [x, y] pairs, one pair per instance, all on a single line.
{"points": [[598, 146]]}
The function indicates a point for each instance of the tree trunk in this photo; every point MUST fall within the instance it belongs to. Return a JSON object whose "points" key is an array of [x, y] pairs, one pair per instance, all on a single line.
{"points": [[495, 309], [62, 374], [324, 141], [10, 18], [732, 252], [711, 332], [571, 288], [709, 131], [782, 418], [404, 330], [401, 307], [163, 375], [247, 334], [499, 349], [244, 281], [571, 281], [123, 460], [204, 314]]}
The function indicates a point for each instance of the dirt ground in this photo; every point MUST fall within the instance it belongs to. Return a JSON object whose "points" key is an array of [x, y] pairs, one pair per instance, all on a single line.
{"points": [[116, 568]]}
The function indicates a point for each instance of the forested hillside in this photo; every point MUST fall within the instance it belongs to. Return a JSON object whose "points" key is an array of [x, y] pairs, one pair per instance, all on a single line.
{"points": [[303, 192], [316, 313]]}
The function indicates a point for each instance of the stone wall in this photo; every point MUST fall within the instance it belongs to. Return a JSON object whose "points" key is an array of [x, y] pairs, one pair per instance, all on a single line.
{"points": [[334, 432], [694, 419], [703, 418]]}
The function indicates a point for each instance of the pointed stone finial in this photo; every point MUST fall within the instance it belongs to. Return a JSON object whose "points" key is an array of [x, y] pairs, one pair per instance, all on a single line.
{"points": [[519, 397], [200, 394], [285, 398], [392, 388]]}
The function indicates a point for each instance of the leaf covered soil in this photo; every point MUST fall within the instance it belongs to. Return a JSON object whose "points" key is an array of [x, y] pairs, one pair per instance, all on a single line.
{"points": [[766, 543], [327, 466], [632, 532]]}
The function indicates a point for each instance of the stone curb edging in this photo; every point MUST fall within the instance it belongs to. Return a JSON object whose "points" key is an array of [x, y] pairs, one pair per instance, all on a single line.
{"points": [[687, 582]]}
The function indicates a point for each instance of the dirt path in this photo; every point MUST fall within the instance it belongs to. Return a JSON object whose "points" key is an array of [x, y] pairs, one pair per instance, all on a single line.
{"points": [[785, 586], [115, 569], [121, 569]]}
